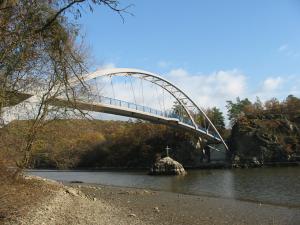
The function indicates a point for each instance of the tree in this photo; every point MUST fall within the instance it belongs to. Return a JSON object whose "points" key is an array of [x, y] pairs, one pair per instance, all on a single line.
{"points": [[273, 105], [179, 112], [258, 105], [39, 56], [235, 110], [37, 43], [216, 117], [292, 104]]}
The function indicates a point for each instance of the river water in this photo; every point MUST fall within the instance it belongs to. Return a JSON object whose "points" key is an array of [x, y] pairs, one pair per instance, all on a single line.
{"points": [[266, 185]]}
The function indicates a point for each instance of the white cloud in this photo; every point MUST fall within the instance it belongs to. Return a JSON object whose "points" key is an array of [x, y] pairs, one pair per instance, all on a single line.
{"points": [[207, 90], [278, 86], [178, 73], [272, 83], [211, 89]]}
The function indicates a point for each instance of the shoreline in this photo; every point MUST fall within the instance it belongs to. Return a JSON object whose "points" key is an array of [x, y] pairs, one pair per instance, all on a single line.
{"points": [[82, 203], [177, 208], [208, 166], [76, 184]]}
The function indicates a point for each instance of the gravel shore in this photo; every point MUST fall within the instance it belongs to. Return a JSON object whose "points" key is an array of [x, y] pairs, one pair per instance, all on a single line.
{"points": [[157, 207], [74, 204]]}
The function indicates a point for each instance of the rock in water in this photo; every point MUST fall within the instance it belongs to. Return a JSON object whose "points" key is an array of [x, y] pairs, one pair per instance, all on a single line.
{"points": [[167, 166]]}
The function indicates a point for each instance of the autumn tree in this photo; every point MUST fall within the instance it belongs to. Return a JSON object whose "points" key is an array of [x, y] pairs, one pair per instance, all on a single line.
{"points": [[292, 104], [237, 109], [273, 105], [40, 55]]}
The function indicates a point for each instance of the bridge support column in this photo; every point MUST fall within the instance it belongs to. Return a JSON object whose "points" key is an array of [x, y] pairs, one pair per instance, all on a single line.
{"points": [[207, 153]]}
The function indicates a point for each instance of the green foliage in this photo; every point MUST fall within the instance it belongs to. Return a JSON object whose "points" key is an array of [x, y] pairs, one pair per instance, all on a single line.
{"points": [[236, 109], [258, 105], [216, 117], [179, 111]]}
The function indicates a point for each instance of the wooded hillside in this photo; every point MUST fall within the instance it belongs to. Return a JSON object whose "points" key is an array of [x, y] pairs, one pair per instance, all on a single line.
{"points": [[94, 144]]}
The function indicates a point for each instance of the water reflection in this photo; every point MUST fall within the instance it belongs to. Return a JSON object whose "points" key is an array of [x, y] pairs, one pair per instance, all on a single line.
{"points": [[228, 184], [270, 185]]}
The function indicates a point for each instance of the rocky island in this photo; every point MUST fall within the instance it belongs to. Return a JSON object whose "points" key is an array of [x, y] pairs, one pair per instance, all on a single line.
{"points": [[167, 166]]}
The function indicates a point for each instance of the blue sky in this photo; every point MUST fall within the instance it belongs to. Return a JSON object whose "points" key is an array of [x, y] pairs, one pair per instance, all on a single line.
{"points": [[215, 50]]}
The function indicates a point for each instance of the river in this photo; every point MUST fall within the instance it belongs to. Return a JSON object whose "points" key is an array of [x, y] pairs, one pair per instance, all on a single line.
{"points": [[280, 186]]}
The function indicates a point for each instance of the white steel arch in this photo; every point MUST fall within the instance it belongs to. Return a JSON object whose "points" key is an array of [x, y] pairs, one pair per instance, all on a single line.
{"points": [[190, 107]]}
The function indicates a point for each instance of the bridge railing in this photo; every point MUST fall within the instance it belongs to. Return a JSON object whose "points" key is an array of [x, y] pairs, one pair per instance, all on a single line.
{"points": [[130, 105], [124, 104]]}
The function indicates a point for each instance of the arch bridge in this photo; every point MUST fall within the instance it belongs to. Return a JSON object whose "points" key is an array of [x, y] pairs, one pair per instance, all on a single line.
{"points": [[192, 118]]}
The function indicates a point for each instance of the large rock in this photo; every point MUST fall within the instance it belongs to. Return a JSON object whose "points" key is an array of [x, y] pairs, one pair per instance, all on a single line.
{"points": [[264, 138], [167, 166]]}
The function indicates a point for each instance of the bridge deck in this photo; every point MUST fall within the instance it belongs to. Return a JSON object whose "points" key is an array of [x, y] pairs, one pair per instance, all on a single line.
{"points": [[123, 108], [134, 112]]}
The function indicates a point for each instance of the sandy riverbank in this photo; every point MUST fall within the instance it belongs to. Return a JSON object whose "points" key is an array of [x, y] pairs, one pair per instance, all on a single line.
{"points": [[86, 204]]}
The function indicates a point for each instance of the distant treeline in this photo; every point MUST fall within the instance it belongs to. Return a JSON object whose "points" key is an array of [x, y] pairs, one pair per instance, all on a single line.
{"points": [[261, 132], [94, 144]]}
